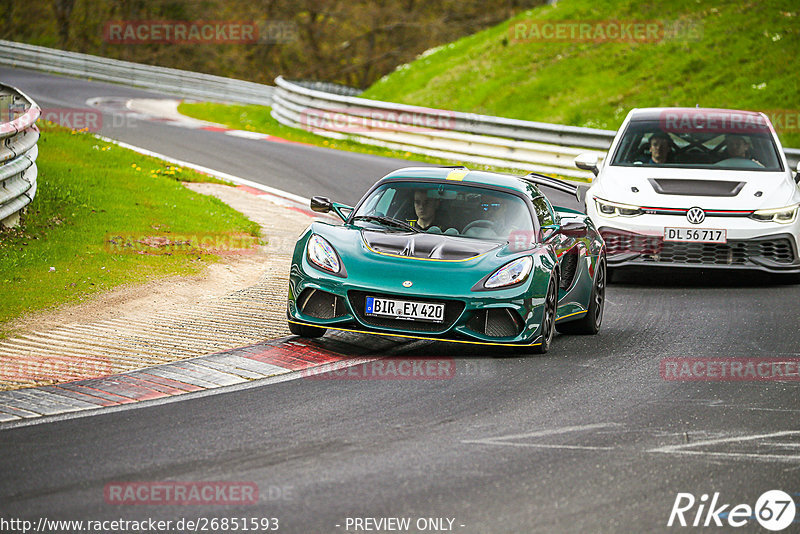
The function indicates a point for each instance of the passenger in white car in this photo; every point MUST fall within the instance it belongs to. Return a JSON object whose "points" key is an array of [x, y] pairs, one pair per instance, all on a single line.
{"points": [[738, 146]]}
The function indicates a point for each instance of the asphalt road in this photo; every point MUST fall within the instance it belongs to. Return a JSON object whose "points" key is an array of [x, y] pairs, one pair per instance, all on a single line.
{"points": [[588, 438], [300, 169]]}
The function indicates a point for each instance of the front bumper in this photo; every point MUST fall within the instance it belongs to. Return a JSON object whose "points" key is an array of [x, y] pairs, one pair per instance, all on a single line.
{"points": [[508, 317], [751, 245], [773, 253]]}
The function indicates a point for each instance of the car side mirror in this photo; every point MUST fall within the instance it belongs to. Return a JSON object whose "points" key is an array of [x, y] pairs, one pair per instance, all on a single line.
{"points": [[324, 205], [587, 162], [321, 204], [573, 228], [797, 173]]}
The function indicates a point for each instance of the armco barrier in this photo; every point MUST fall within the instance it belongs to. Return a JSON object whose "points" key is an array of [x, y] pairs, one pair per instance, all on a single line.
{"points": [[177, 82], [18, 151], [466, 137]]}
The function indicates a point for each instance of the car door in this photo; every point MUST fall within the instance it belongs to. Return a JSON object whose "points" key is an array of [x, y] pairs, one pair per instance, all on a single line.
{"points": [[564, 243]]}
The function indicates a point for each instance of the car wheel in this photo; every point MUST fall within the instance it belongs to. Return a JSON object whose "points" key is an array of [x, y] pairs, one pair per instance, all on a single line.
{"points": [[591, 320], [305, 330], [549, 316]]}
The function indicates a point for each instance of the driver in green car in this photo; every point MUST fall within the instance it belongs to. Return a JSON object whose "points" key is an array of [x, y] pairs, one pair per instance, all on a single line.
{"points": [[426, 207]]}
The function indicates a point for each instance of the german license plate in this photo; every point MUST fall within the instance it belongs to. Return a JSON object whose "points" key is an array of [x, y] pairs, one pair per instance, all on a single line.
{"points": [[404, 309], [695, 235]]}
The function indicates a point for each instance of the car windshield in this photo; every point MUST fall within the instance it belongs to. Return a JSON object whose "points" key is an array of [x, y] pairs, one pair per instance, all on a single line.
{"points": [[450, 209], [725, 141]]}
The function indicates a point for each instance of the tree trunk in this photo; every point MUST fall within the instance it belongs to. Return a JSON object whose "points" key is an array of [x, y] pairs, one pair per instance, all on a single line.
{"points": [[63, 9]]}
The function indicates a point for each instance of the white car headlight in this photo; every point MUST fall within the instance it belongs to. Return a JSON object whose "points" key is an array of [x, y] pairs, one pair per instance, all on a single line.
{"points": [[614, 209], [321, 254], [785, 215], [513, 272]]}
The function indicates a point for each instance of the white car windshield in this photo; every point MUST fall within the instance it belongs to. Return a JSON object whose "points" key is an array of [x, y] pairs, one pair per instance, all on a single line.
{"points": [[450, 209], [652, 143]]}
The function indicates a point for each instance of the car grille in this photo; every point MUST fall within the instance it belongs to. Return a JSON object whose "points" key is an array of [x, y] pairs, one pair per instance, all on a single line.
{"points": [[452, 311], [496, 322], [654, 249]]}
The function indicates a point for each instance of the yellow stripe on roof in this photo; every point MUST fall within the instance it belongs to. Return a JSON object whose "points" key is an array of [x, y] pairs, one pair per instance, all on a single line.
{"points": [[457, 174]]}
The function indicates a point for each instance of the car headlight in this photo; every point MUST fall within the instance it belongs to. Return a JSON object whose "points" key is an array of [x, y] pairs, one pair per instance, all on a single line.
{"points": [[614, 209], [321, 254], [785, 215], [513, 272]]}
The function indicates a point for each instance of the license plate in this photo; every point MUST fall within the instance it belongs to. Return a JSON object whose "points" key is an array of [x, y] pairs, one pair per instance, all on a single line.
{"points": [[404, 309], [695, 235]]}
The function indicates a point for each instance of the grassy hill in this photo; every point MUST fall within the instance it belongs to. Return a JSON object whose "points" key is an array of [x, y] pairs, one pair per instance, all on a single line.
{"points": [[743, 55]]}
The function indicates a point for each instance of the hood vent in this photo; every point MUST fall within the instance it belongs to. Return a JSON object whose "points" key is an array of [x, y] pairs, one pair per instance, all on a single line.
{"points": [[427, 246], [697, 188]]}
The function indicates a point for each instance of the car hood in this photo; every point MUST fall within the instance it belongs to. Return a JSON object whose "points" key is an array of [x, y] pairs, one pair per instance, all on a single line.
{"points": [[427, 246], [436, 264], [685, 188]]}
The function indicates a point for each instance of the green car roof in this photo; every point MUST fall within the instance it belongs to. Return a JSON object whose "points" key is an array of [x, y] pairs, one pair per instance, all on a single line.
{"points": [[464, 176]]}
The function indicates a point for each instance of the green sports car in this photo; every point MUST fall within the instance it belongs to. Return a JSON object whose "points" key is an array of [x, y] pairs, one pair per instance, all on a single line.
{"points": [[446, 253]]}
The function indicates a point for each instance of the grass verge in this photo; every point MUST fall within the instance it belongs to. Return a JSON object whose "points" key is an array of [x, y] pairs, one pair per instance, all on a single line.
{"points": [[740, 55], [104, 216]]}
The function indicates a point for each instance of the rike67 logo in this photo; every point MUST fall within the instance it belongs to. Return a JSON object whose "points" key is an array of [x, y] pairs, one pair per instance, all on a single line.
{"points": [[774, 510]]}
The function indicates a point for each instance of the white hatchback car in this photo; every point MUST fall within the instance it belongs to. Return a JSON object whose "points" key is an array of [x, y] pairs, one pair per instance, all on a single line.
{"points": [[693, 187]]}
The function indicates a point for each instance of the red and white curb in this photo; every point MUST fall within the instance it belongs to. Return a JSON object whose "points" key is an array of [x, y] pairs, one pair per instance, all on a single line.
{"points": [[230, 368], [165, 110]]}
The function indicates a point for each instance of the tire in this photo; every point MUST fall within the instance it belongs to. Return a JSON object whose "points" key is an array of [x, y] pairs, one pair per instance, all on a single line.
{"points": [[549, 316], [589, 324], [304, 330]]}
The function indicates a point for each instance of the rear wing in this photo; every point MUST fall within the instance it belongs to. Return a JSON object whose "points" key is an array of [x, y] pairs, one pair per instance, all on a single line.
{"points": [[577, 190]]}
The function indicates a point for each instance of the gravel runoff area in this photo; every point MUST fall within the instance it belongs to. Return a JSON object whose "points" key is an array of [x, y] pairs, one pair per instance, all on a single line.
{"points": [[238, 301]]}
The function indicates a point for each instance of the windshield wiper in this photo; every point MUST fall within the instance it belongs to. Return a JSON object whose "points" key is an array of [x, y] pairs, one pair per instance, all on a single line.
{"points": [[388, 221]]}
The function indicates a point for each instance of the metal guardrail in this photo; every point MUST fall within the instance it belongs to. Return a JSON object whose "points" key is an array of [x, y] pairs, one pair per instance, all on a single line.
{"points": [[18, 151], [177, 82], [465, 137]]}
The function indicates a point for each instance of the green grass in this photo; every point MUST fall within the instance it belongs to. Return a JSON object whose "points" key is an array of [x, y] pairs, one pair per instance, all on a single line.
{"points": [[258, 119], [93, 198], [746, 57]]}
